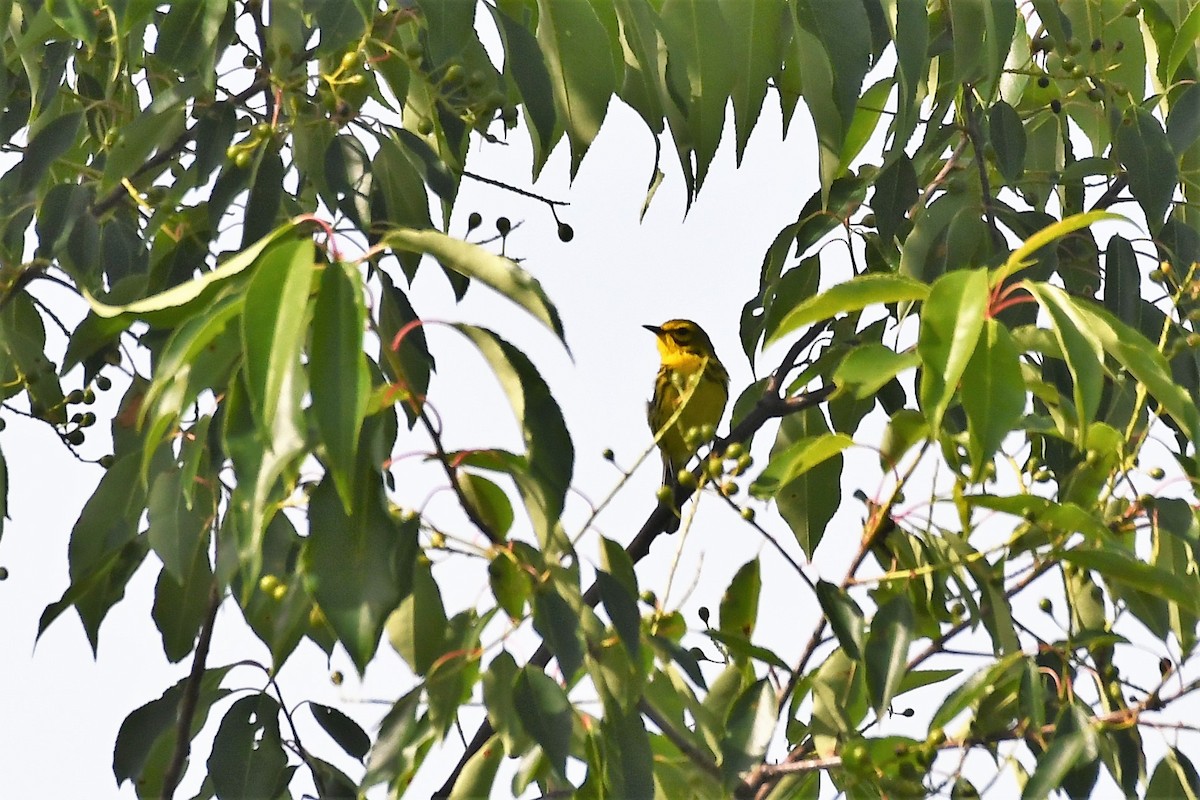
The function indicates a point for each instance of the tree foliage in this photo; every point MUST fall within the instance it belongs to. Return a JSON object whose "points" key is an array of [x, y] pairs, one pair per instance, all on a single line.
{"points": [[197, 175]]}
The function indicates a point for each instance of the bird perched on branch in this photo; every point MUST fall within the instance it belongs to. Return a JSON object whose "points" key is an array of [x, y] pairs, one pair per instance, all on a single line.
{"points": [[690, 393]]}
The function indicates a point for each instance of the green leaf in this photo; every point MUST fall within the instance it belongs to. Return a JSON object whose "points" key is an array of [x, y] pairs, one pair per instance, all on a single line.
{"points": [[479, 773], [273, 324], [808, 501], [886, 650], [845, 617], [951, 322], [188, 32], [753, 38], [1007, 137], [629, 763], [867, 367], [996, 397], [183, 301], [798, 458], [488, 501], [1184, 44], [49, 144], [895, 193], [346, 732], [919, 250], [1020, 258], [1145, 363], [833, 43], [358, 566], [1073, 741], [852, 295], [558, 625], [620, 601], [1174, 777], [416, 629], [498, 683], [511, 584], [340, 22], [398, 195], [1121, 567], [1122, 280], [908, 24], [545, 712], [1142, 148], [337, 372], [739, 604], [975, 687], [176, 532], [198, 356], [866, 119], [919, 678], [525, 66], [247, 757], [1183, 123], [475, 262], [146, 740], [748, 730], [544, 476], [700, 72], [579, 62], [1081, 349], [181, 605]]}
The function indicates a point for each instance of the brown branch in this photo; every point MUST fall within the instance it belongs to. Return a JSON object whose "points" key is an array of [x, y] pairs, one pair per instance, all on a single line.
{"points": [[452, 476], [697, 756], [976, 137], [770, 406], [191, 695]]}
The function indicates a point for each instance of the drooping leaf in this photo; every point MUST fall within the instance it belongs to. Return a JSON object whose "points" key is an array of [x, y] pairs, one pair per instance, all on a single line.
{"points": [[475, 262], [549, 455], [996, 395], [951, 324], [545, 712], [247, 758], [574, 44], [358, 566], [751, 723], [886, 651], [1142, 148], [337, 372], [739, 604], [845, 617]]}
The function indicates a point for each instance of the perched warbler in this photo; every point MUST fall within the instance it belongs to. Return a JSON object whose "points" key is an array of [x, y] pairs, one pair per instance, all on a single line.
{"points": [[690, 393]]}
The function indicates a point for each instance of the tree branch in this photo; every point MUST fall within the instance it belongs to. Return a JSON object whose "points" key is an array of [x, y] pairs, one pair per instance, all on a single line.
{"points": [[770, 406], [191, 694]]}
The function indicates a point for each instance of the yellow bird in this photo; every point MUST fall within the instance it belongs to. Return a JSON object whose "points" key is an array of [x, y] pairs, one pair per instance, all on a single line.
{"points": [[690, 393]]}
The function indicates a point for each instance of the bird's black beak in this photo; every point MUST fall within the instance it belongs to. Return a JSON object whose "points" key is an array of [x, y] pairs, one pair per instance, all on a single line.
{"points": [[657, 331]]}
